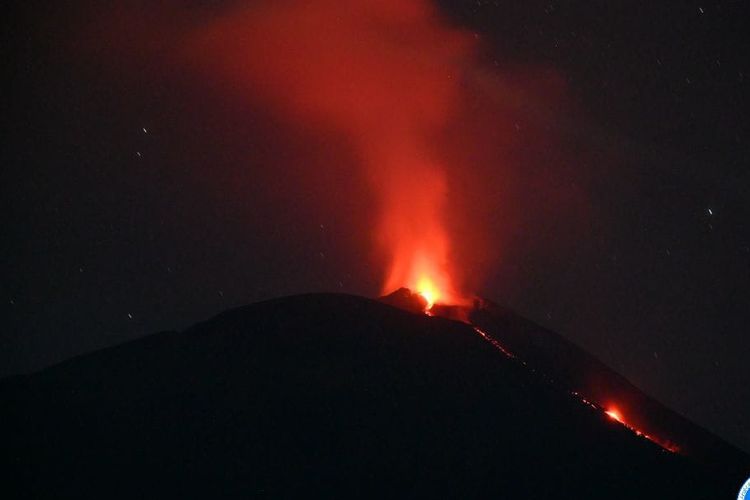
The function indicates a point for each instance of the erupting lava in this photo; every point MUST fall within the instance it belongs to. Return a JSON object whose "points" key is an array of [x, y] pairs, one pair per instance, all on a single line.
{"points": [[422, 275], [427, 289], [419, 258], [411, 231]]}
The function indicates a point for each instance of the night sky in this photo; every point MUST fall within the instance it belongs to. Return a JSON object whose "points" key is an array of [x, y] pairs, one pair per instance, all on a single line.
{"points": [[138, 197]]}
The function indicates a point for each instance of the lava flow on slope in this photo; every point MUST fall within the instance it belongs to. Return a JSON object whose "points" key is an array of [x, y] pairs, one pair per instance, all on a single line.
{"points": [[562, 364]]}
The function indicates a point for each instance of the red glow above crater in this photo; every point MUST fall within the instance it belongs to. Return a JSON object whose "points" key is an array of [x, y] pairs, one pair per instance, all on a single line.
{"points": [[387, 76]]}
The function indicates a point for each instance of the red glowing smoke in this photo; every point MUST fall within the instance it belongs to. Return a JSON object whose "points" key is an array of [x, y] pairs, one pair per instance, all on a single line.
{"points": [[457, 148], [387, 74]]}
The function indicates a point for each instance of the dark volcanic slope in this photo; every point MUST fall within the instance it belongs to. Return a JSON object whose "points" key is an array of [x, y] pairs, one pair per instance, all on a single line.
{"points": [[574, 370], [322, 393]]}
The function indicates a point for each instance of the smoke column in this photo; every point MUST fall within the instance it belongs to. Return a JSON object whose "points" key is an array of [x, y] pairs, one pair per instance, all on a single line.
{"points": [[387, 74], [470, 154]]}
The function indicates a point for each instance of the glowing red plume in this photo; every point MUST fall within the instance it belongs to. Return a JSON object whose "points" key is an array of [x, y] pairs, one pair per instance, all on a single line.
{"points": [[387, 74]]}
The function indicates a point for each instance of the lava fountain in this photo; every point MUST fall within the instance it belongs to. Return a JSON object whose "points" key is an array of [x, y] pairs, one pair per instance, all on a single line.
{"points": [[417, 243]]}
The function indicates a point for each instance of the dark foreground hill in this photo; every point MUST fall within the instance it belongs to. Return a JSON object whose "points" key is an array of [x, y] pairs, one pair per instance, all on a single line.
{"points": [[322, 394]]}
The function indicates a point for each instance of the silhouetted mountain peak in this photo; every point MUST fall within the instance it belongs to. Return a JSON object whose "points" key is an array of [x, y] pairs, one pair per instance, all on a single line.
{"points": [[330, 395], [405, 299]]}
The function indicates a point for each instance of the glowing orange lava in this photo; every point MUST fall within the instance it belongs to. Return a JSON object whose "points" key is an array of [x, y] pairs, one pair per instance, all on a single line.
{"points": [[427, 289], [413, 236], [433, 285], [412, 232], [615, 415]]}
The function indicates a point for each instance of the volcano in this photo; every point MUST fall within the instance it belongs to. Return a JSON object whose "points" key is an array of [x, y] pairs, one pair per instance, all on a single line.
{"points": [[339, 395]]}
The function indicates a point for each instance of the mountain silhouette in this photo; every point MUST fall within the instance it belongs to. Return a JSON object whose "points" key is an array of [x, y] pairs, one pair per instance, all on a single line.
{"points": [[336, 395]]}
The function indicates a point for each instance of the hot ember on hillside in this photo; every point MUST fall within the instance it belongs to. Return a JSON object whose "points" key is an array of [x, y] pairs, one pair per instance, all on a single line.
{"points": [[615, 414]]}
